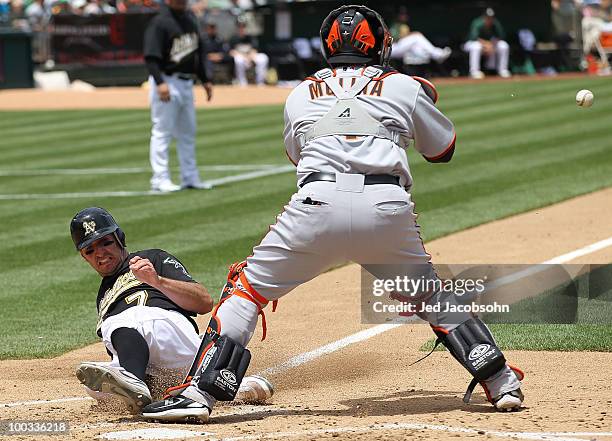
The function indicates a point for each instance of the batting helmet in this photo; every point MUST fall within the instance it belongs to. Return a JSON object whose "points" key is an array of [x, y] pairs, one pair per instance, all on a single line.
{"points": [[355, 34], [90, 224]]}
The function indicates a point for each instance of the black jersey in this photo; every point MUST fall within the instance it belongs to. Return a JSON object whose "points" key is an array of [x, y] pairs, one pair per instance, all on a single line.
{"points": [[173, 42], [123, 290]]}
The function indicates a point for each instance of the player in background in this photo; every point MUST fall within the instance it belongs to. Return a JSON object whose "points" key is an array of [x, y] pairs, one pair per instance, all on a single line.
{"points": [[174, 55], [487, 37], [346, 130]]}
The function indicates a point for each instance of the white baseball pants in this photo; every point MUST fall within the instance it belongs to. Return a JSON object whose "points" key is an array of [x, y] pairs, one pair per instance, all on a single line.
{"points": [[415, 48], [243, 62], [171, 338], [174, 119], [497, 60]]}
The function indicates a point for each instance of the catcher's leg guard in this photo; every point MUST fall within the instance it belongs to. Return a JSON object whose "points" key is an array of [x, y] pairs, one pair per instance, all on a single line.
{"points": [[237, 310], [223, 369], [472, 344]]}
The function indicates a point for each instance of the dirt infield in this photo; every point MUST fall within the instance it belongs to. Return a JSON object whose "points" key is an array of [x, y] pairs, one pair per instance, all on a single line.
{"points": [[137, 97], [133, 98], [366, 390]]}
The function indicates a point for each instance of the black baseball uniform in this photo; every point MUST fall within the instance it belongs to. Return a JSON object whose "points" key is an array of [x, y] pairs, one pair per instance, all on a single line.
{"points": [[123, 290], [173, 44]]}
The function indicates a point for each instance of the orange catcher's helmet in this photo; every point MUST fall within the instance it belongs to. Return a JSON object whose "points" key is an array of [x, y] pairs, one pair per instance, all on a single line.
{"points": [[355, 34]]}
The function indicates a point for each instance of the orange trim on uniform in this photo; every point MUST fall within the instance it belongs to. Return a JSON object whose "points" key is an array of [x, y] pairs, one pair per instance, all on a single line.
{"points": [[446, 150], [519, 373], [428, 84], [439, 329], [168, 391], [486, 391], [261, 299], [314, 79], [289, 158], [246, 296]]}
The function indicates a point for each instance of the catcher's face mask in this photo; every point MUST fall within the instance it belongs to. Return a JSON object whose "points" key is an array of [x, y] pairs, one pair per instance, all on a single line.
{"points": [[355, 34]]}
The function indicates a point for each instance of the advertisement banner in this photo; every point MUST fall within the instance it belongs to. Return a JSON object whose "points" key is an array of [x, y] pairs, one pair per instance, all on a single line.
{"points": [[98, 39]]}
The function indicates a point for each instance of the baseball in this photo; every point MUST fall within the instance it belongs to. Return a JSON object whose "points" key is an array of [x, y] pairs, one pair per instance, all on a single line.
{"points": [[584, 98]]}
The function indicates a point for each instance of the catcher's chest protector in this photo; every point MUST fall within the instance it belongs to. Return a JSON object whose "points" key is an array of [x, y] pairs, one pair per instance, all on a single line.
{"points": [[347, 116]]}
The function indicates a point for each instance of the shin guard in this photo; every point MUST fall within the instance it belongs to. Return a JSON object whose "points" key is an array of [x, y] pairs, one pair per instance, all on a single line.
{"points": [[223, 369], [472, 344]]}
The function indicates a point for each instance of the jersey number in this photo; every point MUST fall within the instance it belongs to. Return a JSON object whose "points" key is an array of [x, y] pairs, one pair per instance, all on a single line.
{"points": [[140, 297]]}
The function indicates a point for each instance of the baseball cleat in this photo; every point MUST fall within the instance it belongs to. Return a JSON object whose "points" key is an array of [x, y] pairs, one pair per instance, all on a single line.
{"points": [[130, 389], [177, 408], [255, 389], [477, 75], [509, 401], [201, 185], [166, 187]]}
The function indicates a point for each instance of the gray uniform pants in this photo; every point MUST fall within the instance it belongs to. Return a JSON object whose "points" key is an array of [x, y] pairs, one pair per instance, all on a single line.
{"points": [[368, 224]]}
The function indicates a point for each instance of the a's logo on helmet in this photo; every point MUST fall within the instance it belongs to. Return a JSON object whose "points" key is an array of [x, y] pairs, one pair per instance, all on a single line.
{"points": [[89, 227]]}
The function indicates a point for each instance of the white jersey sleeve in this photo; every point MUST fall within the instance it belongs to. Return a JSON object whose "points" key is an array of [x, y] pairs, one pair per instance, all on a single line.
{"points": [[292, 146], [434, 134]]}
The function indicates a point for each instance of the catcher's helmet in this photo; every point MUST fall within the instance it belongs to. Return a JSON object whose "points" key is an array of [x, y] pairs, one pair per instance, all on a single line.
{"points": [[90, 224], [355, 34]]}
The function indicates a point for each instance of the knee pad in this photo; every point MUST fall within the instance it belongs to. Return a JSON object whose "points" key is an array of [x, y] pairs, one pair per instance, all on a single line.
{"points": [[472, 344]]}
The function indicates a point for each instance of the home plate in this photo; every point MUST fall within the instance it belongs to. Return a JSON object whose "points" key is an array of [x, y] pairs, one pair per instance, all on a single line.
{"points": [[154, 433]]}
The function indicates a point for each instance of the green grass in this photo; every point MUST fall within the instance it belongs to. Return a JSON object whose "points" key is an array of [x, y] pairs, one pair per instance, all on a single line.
{"points": [[528, 337], [521, 145]]}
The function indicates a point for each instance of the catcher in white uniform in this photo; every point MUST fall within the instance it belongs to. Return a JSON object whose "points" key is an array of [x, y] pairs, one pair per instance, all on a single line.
{"points": [[346, 130]]}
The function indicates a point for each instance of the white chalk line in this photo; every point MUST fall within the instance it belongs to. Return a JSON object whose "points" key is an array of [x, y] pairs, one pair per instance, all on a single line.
{"points": [[364, 335], [564, 258], [183, 434], [125, 170], [253, 175], [36, 402], [98, 194], [328, 349], [268, 171], [542, 436]]}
